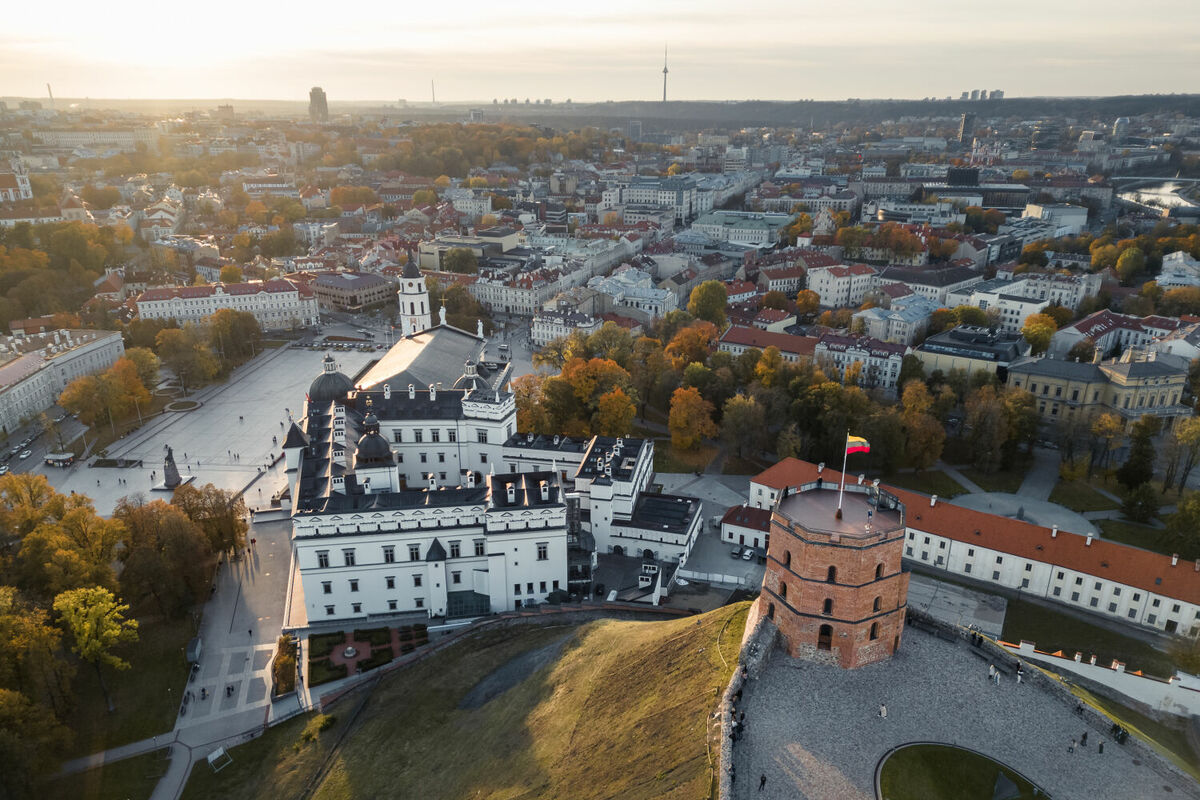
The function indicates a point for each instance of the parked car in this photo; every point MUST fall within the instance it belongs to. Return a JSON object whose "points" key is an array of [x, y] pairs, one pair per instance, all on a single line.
{"points": [[3, 469], [735, 552], [25, 454], [748, 554]]}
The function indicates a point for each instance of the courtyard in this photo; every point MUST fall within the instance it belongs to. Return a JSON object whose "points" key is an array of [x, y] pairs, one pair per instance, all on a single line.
{"points": [[815, 731]]}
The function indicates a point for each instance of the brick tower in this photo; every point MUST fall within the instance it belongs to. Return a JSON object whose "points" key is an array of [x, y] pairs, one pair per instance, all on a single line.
{"points": [[834, 586]]}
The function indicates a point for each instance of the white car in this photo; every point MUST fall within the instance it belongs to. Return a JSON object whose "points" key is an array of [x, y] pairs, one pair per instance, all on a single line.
{"points": [[3, 469], [25, 454]]}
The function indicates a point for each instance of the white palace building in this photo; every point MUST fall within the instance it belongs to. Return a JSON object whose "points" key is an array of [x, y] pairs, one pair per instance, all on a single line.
{"points": [[412, 492]]}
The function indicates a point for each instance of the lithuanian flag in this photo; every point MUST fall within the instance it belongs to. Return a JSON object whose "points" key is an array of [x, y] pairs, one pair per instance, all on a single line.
{"points": [[857, 444]]}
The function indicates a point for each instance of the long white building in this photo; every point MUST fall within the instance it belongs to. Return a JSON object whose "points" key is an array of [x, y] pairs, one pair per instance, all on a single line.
{"points": [[34, 372], [276, 304], [1124, 583]]}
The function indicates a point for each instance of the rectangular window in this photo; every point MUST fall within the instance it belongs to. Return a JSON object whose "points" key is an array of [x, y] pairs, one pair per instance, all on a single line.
{"points": [[1029, 567], [1057, 591], [516, 588], [1112, 608], [479, 547], [542, 587], [354, 584], [1025, 583], [420, 602], [389, 554], [1060, 575], [481, 435], [455, 549], [391, 605], [908, 551], [1132, 613], [417, 580], [967, 568], [1079, 581], [418, 436], [1074, 597], [1094, 602], [970, 551], [999, 559], [398, 436], [456, 577], [414, 552], [326, 587], [390, 581], [1097, 586], [435, 435], [543, 551], [1175, 608], [451, 435], [996, 575], [1137, 596], [529, 588], [555, 585], [349, 556], [441, 458], [483, 458], [1155, 603], [356, 608], [441, 476], [424, 458], [1151, 619], [941, 545], [1116, 592], [323, 558], [329, 611]]}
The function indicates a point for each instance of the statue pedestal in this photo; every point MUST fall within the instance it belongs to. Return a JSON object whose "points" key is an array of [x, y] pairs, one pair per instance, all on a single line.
{"points": [[161, 486]]}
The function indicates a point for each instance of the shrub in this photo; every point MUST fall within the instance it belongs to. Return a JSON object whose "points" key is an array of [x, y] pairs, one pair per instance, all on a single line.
{"points": [[319, 723], [283, 671], [322, 644]]}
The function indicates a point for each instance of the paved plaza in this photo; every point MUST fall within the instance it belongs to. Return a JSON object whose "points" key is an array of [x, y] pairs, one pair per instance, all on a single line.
{"points": [[227, 441], [816, 733]]}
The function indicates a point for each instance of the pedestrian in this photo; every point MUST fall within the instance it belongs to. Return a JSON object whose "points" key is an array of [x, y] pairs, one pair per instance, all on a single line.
{"points": [[762, 781], [250, 633], [742, 718], [1100, 747], [1071, 749], [883, 711], [97, 481], [997, 677], [1083, 740], [991, 672], [1020, 674]]}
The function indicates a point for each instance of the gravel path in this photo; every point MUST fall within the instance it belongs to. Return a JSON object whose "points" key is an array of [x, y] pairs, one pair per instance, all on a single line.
{"points": [[815, 731], [508, 675]]}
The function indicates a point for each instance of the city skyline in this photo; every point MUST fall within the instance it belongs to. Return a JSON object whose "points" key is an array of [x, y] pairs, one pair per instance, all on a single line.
{"points": [[768, 50]]}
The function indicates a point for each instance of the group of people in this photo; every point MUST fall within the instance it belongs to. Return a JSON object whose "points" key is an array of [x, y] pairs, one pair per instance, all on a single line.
{"points": [[1083, 741]]}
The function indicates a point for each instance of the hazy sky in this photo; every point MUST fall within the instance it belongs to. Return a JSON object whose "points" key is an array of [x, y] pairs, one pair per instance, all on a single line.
{"points": [[733, 49]]}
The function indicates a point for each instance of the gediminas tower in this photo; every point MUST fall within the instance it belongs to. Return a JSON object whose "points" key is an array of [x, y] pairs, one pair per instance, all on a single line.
{"points": [[834, 584]]}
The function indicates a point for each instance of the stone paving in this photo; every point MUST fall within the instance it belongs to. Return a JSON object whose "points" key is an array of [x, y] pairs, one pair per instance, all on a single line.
{"points": [[815, 731]]}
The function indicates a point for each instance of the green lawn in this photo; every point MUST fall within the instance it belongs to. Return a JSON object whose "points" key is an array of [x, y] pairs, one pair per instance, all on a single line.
{"points": [[1146, 537], [1081, 496], [667, 458], [322, 644], [133, 778], [942, 772], [553, 731], [1008, 481], [929, 482], [324, 671], [1171, 742], [146, 696], [1051, 630]]}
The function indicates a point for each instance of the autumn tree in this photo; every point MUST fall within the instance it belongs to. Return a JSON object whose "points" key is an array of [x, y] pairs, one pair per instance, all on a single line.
{"points": [[75, 551], [614, 414], [166, 555], [988, 428], [460, 259], [234, 334], [690, 419], [1183, 447], [1139, 466], [707, 302], [220, 514], [1183, 526], [1037, 330], [97, 624], [924, 435], [775, 299], [231, 273], [1107, 431], [352, 196], [807, 302], [692, 343], [31, 743], [147, 365], [743, 424], [187, 354]]}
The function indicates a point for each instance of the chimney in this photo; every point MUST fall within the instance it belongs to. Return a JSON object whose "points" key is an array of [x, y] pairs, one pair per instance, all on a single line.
{"points": [[432, 481], [432, 393], [470, 479], [511, 493], [1054, 532], [1174, 559], [933, 501], [412, 392], [1088, 542], [545, 491]]}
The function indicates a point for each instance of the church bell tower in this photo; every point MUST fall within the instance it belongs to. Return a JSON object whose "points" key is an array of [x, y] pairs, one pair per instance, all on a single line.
{"points": [[414, 300]]}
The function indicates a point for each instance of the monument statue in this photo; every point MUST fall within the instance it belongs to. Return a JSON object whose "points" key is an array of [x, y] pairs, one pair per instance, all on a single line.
{"points": [[171, 477]]}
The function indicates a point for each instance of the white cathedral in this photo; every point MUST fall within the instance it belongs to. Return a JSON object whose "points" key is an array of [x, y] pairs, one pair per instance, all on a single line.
{"points": [[412, 492]]}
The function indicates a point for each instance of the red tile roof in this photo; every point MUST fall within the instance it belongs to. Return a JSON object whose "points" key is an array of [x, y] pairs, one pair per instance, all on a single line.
{"points": [[748, 517], [1106, 559], [761, 340]]}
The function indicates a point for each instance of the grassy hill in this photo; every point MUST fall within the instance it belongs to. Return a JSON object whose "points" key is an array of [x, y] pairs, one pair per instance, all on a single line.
{"points": [[605, 710]]}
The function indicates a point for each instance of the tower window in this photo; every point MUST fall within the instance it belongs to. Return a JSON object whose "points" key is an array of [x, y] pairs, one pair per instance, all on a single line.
{"points": [[874, 630], [787, 558], [877, 604], [783, 591], [831, 576], [878, 571], [828, 609]]}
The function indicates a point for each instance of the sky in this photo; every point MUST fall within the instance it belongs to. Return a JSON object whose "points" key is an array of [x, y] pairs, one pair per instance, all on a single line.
{"points": [[717, 49]]}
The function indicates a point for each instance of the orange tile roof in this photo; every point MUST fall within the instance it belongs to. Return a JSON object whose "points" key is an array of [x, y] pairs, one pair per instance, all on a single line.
{"points": [[1131, 566]]}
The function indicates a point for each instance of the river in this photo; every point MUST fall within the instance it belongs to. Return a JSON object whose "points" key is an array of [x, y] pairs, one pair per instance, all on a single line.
{"points": [[1162, 195]]}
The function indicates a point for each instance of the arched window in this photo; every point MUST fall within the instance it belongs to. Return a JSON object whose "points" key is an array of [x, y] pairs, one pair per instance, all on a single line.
{"points": [[874, 630], [877, 604], [787, 558], [825, 638], [831, 576], [770, 611], [878, 571], [783, 591], [828, 605]]}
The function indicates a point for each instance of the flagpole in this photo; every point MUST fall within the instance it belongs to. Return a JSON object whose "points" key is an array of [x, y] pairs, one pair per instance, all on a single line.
{"points": [[842, 487]]}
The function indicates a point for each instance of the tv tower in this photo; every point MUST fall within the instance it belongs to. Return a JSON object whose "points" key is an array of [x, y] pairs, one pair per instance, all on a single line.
{"points": [[664, 73]]}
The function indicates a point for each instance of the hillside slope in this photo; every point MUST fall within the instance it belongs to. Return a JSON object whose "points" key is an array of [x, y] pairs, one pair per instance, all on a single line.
{"points": [[605, 710]]}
